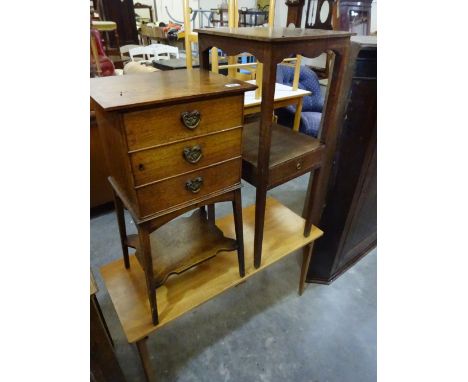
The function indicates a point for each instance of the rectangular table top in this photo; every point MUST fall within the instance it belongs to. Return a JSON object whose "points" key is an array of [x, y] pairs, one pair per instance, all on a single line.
{"points": [[181, 63], [182, 293], [270, 34], [282, 92], [147, 89]]}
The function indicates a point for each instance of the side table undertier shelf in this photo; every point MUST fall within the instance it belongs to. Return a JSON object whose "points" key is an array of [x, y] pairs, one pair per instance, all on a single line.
{"points": [[127, 289], [291, 154], [182, 244]]}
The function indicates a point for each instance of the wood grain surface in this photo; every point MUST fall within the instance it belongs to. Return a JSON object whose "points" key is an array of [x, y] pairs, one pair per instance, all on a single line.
{"points": [[165, 161], [129, 92], [162, 125], [291, 154], [273, 34], [180, 294], [182, 244], [171, 192]]}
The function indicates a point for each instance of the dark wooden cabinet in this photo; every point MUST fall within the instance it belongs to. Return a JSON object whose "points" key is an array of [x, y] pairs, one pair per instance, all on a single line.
{"points": [[349, 219], [121, 12]]}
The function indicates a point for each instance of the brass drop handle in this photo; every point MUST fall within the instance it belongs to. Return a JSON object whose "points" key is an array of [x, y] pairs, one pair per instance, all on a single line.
{"points": [[190, 119], [194, 185], [193, 154]]}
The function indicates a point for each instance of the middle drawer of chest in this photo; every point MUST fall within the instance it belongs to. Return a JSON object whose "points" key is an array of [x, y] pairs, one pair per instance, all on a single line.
{"points": [[169, 160]]}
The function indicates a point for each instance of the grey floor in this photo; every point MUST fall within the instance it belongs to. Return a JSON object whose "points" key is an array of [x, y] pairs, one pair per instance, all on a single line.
{"points": [[261, 330]]}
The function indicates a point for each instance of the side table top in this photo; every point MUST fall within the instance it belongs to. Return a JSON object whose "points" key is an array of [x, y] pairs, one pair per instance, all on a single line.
{"points": [[147, 89], [273, 34]]}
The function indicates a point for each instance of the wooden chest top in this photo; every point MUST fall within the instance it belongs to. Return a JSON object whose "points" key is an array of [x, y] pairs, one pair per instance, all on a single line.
{"points": [[165, 87]]}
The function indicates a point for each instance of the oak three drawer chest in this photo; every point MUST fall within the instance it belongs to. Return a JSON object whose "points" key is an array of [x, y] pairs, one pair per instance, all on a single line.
{"points": [[173, 143]]}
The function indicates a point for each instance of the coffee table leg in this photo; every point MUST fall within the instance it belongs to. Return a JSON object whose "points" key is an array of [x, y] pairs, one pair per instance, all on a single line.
{"points": [[145, 360], [306, 256]]}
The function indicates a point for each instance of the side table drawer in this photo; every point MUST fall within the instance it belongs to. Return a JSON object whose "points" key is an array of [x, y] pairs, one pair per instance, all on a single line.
{"points": [[184, 188], [177, 158], [161, 125]]}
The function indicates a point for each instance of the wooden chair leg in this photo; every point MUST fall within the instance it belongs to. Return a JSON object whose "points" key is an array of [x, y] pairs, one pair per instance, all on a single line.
{"points": [[297, 115], [314, 203], [142, 347], [119, 211], [145, 253], [306, 256], [237, 209]]}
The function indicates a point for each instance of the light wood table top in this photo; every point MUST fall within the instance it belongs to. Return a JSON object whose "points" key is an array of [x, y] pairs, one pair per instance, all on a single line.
{"points": [[282, 92], [283, 235]]}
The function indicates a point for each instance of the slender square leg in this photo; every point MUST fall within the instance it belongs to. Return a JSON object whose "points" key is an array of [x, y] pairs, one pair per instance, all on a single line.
{"points": [[211, 213], [237, 208], [119, 211], [145, 253], [145, 360], [260, 205], [314, 201], [268, 92]]}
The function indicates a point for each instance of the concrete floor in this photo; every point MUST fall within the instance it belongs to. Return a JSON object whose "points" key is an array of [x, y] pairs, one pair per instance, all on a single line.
{"points": [[260, 330]]}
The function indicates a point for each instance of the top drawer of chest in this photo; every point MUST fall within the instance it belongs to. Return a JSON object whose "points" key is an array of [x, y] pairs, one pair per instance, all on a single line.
{"points": [[167, 124]]}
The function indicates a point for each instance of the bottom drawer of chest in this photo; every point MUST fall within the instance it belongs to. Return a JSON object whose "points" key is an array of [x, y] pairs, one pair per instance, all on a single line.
{"points": [[184, 188]]}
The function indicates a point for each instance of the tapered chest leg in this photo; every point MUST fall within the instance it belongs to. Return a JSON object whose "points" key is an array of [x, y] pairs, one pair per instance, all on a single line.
{"points": [[119, 211], [147, 261], [306, 256], [314, 201]]}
